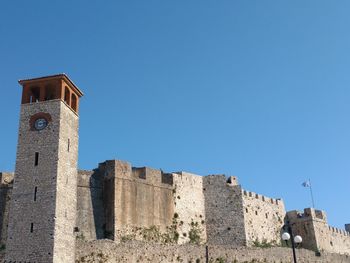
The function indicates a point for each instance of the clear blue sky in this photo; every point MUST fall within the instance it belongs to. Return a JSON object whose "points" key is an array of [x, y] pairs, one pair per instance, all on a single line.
{"points": [[256, 89]]}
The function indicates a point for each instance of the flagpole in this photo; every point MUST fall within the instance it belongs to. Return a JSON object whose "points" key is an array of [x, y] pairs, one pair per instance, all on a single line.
{"points": [[312, 196]]}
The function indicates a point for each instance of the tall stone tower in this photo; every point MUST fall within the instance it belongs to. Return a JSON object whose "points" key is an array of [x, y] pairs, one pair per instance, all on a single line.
{"points": [[43, 206]]}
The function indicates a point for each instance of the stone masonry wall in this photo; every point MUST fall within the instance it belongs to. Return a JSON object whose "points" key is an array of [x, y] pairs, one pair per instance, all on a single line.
{"points": [[44, 193], [189, 207], [223, 211], [6, 184], [143, 200], [316, 233], [136, 252], [90, 212], [66, 186], [31, 237], [263, 217]]}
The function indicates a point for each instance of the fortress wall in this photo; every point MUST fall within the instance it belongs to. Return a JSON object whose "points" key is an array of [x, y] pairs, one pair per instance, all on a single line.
{"points": [[6, 184], [107, 171], [138, 252], [189, 205], [303, 225], [90, 213], [142, 197], [153, 200], [223, 211], [317, 234], [338, 240], [263, 218]]}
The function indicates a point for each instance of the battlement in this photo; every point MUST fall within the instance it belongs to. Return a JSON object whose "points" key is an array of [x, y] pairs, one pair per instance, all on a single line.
{"points": [[308, 214], [152, 176], [221, 179], [146, 175], [339, 231], [274, 201]]}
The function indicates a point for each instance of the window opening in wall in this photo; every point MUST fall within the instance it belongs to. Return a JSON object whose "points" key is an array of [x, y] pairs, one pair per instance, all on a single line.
{"points": [[67, 95], [31, 227], [68, 145], [35, 191], [266, 215], [74, 102], [35, 94], [36, 159], [49, 93], [256, 212], [246, 210]]}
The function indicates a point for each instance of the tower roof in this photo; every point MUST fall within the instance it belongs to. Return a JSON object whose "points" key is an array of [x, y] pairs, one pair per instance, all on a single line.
{"points": [[57, 76]]}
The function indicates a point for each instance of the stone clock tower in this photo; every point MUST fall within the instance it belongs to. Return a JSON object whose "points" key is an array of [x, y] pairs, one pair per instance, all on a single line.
{"points": [[43, 206]]}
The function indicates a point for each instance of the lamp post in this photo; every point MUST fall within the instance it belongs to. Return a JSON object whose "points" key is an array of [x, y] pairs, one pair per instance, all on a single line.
{"points": [[294, 240]]}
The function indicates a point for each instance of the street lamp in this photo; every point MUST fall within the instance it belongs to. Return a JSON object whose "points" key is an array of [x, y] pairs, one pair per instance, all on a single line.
{"points": [[295, 240]]}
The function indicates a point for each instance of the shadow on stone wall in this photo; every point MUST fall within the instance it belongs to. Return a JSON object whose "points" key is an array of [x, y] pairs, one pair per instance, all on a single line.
{"points": [[96, 191], [4, 208]]}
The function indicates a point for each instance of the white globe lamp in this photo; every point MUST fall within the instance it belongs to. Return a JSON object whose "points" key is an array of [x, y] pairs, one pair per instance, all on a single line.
{"points": [[285, 236], [298, 239]]}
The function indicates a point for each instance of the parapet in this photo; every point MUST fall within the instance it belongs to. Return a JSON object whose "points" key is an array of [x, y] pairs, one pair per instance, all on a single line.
{"points": [[276, 201], [308, 214], [339, 231], [124, 170], [221, 179]]}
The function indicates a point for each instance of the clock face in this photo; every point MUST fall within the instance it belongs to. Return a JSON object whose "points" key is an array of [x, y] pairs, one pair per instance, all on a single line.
{"points": [[40, 124]]}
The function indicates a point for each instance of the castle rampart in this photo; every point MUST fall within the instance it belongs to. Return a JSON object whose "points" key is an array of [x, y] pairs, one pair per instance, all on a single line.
{"points": [[263, 218], [135, 198], [194, 208], [189, 212], [317, 234], [215, 206], [223, 211], [90, 206]]}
